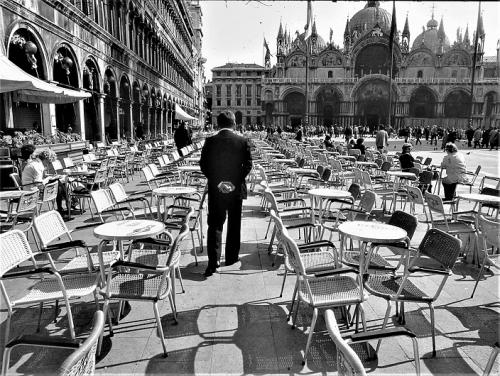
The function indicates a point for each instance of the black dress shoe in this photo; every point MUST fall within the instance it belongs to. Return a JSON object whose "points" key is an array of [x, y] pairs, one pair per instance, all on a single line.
{"points": [[210, 270], [231, 262]]}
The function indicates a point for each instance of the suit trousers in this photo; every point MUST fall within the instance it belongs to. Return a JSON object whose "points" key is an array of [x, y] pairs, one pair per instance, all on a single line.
{"points": [[220, 204]]}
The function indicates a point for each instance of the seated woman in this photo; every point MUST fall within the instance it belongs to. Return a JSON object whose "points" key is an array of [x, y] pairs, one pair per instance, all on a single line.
{"points": [[33, 173], [456, 170], [360, 145], [406, 160]]}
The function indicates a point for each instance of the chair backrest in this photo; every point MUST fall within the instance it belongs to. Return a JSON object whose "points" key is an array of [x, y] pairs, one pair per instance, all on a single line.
{"points": [[16, 179], [50, 226], [102, 200], [28, 202], [405, 221], [86, 158], [386, 166], [441, 247], [427, 161], [415, 195], [100, 176], [320, 170], [490, 230], [14, 249], [425, 177], [175, 251], [268, 194], [327, 172], [435, 204], [367, 201], [154, 169], [82, 360], [148, 175], [354, 152], [336, 165], [348, 362], [355, 191], [50, 191], [118, 192]]}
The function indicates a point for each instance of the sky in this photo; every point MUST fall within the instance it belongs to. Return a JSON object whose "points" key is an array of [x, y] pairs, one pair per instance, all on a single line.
{"points": [[234, 30]]}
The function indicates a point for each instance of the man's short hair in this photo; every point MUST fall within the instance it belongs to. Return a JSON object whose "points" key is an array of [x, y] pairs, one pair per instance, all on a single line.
{"points": [[27, 150], [226, 119]]}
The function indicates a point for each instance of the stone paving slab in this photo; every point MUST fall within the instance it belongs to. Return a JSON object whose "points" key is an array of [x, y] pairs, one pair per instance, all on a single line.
{"points": [[235, 322]]}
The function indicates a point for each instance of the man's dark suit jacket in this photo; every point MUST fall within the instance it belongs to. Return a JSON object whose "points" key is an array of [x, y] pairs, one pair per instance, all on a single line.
{"points": [[226, 157]]}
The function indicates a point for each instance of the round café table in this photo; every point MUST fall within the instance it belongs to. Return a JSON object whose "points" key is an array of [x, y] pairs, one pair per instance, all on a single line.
{"points": [[479, 198], [163, 193], [368, 232], [318, 195], [402, 175]]}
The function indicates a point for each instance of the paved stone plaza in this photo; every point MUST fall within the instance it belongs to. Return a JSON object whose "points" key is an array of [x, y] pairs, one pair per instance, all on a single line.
{"points": [[235, 322]]}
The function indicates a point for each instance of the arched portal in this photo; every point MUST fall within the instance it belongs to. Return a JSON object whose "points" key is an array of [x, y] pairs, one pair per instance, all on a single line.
{"points": [[372, 103], [327, 106], [25, 51], [295, 106], [239, 117], [490, 99], [65, 72], [457, 104], [124, 107], [269, 113], [374, 59], [423, 103], [110, 110], [90, 83]]}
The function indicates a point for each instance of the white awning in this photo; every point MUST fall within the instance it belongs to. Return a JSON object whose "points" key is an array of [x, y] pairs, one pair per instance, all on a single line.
{"points": [[27, 88], [180, 114]]}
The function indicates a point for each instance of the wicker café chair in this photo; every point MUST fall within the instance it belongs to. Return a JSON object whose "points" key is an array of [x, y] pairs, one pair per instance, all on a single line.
{"points": [[22, 211], [439, 247], [332, 288], [80, 362], [128, 280], [14, 251], [122, 197], [49, 195], [348, 362], [490, 232], [314, 257], [50, 227]]}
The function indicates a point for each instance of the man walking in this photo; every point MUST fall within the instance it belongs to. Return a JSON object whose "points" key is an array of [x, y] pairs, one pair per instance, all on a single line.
{"points": [[225, 161], [381, 139]]}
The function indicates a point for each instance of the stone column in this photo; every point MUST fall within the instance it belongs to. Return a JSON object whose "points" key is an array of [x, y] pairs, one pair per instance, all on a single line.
{"points": [[102, 127], [131, 119], [81, 113], [9, 119], [118, 136]]}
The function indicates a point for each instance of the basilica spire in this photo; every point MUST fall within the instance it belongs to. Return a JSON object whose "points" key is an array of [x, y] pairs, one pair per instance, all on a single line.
{"points": [[441, 34], [406, 29], [466, 36], [280, 31]]}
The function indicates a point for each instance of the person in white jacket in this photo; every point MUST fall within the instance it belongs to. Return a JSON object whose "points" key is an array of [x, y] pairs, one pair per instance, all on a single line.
{"points": [[456, 171]]}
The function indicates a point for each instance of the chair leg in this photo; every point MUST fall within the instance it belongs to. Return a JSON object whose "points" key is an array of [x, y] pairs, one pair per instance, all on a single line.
{"points": [[268, 226], [416, 356], [105, 312], [433, 328], [194, 249], [491, 360], [172, 306], [311, 332], [180, 278], [39, 318], [294, 322], [160, 328], [283, 283], [480, 273], [292, 303], [386, 318], [270, 247]]}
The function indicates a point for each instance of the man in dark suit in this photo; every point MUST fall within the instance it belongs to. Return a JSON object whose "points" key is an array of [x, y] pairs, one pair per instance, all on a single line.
{"points": [[225, 161]]}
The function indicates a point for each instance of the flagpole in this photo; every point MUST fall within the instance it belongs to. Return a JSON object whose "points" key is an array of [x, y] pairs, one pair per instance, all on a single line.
{"points": [[391, 41], [473, 76]]}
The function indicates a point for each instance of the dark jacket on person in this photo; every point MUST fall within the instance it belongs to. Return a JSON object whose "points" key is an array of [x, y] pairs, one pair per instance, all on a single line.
{"points": [[406, 161], [181, 137], [226, 157]]}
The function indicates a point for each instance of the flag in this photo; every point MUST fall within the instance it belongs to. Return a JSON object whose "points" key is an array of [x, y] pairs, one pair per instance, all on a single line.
{"points": [[265, 44], [307, 31], [331, 35], [393, 26]]}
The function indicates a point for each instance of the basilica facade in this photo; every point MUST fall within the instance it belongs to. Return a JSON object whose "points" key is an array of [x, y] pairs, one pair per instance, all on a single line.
{"points": [[349, 85]]}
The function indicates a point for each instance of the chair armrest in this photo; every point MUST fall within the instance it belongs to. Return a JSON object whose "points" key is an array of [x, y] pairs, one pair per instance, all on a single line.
{"points": [[28, 272], [132, 199], [136, 265], [153, 241], [293, 227], [415, 269], [380, 334], [64, 245], [34, 340], [341, 270], [288, 200], [316, 244]]}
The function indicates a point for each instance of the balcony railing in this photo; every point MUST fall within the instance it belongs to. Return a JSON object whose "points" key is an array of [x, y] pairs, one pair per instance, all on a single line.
{"points": [[398, 80]]}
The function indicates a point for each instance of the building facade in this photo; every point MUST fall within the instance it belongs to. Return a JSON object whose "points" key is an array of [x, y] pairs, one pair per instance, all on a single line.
{"points": [[348, 85], [238, 87], [138, 59]]}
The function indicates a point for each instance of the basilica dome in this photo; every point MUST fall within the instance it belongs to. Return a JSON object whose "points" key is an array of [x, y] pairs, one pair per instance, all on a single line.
{"points": [[369, 16], [432, 38]]}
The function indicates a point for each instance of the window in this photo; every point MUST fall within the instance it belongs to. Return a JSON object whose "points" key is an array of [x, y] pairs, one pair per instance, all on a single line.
{"points": [[217, 74], [218, 102], [238, 90], [228, 91], [420, 74], [249, 120], [238, 102], [248, 112], [454, 73], [249, 102], [258, 101], [330, 74], [228, 102], [249, 90], [238, 74]]}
